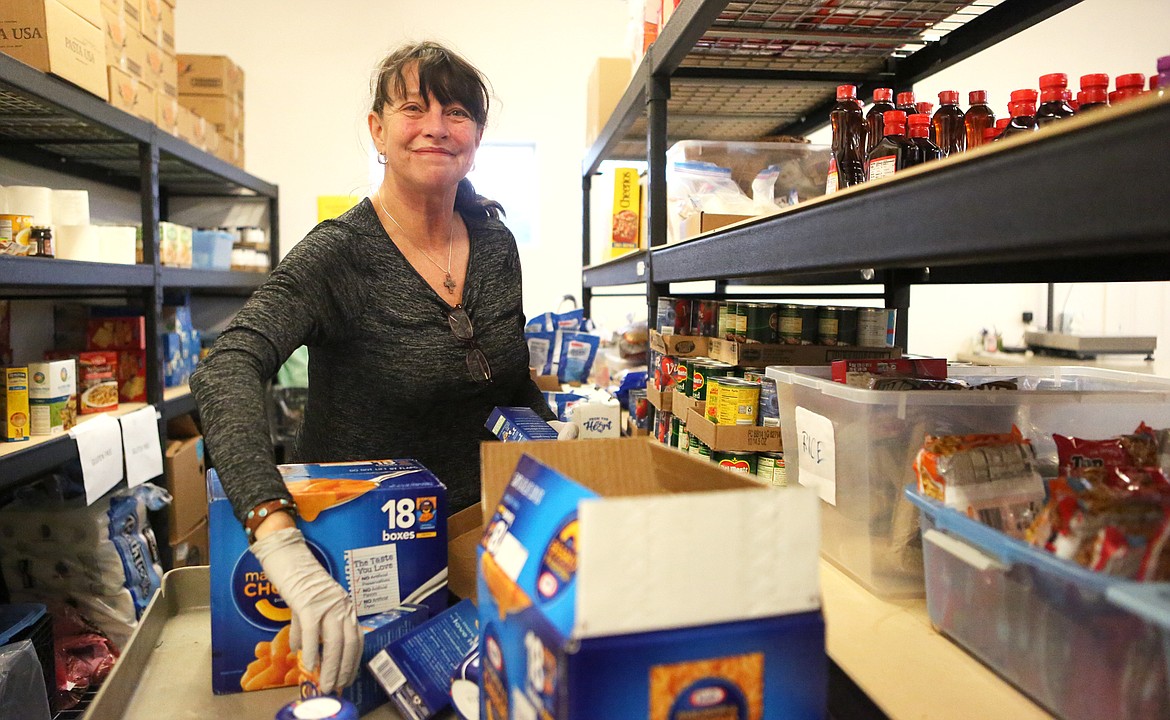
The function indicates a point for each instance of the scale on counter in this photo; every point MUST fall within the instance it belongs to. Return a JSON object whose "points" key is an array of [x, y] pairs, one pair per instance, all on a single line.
{"points": [[1087, 347]]}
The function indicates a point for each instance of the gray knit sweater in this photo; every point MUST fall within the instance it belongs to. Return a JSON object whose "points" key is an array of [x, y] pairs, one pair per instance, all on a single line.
{"points": [[387, 379]]}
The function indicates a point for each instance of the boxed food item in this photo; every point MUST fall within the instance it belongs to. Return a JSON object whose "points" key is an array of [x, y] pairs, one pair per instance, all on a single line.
{"points": [[59, 37], [158, 24], [97, 378], [125, 47], [116, 333], [166, 113], [132, 375], [224, 113], [15, 404], [192, 547], [377, 527], [857, 446], [162, 71], [607, 83], [186, 477], [132, 9], [599, 597], [763, 354], [626, 219], [132, 95], [1083, 644], [210, 75], [52, 396], [519, 424]]}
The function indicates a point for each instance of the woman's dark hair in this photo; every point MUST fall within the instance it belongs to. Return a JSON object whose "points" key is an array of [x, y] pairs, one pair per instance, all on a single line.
{"points": [[448, 78]]}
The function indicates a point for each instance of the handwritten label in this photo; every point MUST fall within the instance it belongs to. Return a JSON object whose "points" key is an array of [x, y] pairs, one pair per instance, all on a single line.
{"points": [[816, 453], [141, 446], [99, 446]]}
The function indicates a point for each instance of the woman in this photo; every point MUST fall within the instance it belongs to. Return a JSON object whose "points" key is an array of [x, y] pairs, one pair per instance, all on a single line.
{"points": [[410, 304]]}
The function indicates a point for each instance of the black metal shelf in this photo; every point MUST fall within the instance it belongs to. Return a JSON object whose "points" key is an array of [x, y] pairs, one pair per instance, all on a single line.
{"points": [[26, 272], [625, 270], [222, 280]]}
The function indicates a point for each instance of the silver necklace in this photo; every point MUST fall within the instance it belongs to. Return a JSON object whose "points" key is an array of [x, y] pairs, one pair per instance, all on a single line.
{"points": [[447, 282]]}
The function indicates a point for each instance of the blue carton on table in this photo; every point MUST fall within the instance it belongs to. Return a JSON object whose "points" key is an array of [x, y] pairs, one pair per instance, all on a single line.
{"points": [[378, 527]]}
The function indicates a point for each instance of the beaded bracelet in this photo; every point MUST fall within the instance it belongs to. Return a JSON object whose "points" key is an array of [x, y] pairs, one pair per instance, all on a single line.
{"points": [[261, 512]]}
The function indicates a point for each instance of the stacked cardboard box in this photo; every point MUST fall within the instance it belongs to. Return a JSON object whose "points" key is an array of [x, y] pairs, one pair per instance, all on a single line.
{"points": [[62, 37], [212, 87]]}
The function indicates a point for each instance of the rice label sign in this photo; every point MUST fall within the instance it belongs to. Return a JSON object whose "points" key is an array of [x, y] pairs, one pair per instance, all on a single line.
{"points": [[816, 454]]}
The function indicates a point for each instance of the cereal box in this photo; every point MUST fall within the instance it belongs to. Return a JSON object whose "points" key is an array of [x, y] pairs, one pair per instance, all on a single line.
{"points": [[132, 375], [378, 527], [97, 381], [15, 404], [627, 221], [52, 396], [688, 596]]}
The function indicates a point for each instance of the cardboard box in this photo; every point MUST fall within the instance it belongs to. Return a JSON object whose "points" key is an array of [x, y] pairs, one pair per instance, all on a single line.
{"points": [[51, 37], [607, 83], [744, 438], [192, 548], [701, 222], [158, 24], [166, 113], [97, 381], [116, 333], [162, 70], [185, 124], [626, 218], [681, 403], [186, 477], [132, 95], [125, 48], [210, 75], [612, 594], [224, 114], [52, 396], [90, 10], [375, 526], [762, 355], [132, 9], [597, 419], [132, 375], [660, 399], [14, 404], [679, 345]]}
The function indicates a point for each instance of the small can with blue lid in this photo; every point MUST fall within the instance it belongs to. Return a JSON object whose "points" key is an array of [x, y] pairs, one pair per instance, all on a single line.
{"points": [[318, 708]]}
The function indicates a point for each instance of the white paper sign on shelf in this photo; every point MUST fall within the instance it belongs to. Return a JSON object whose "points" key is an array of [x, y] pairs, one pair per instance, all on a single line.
{"points": [[817, 454], [99, 445], [144, 460]]}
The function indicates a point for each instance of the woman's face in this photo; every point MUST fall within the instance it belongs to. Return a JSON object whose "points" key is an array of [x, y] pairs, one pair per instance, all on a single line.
{"points": [[427, 145]]}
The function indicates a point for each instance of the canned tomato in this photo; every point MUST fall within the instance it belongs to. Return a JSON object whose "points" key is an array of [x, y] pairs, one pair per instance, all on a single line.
{"points": [[847, 328], [759, 323], [769, 403], [639, 408], [682, 316], [789, 325], [770, 469], [664, 317], [699, 448], [665, 372], [318, 708], [808, 324], [744, 462], [662, 421], [706, 315], [702, 372], [871, 327], [828, 324], [739, 402]]}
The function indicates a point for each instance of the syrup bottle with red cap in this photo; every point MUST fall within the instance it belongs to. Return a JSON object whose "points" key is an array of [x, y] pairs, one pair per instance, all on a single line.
{"points": [[882, 101], [950, 131], [1129, 86], [1053, 103], [979, 117], [1094, 92], [1023, 112], [906, 103], [893, 151], [924, 149], [921, 108], [847, 163]]}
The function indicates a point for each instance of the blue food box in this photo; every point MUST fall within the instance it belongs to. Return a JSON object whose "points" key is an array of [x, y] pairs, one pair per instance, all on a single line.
{"points": [[378, 527], [517, 424], [701, 601]]}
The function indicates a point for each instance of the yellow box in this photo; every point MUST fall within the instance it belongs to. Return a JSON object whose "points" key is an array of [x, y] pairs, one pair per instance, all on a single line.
{"points": [[132, 95], [51, 37], [210, 75], [625, 228], [607, 84], [158, 24], [15, 400], [162, 70]]}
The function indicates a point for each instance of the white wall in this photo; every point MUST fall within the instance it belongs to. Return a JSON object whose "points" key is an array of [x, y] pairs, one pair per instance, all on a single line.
{"points": [[307, 68]]}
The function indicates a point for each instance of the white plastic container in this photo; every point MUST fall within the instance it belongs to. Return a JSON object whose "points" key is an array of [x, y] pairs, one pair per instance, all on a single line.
{"points": [[857, 446]]}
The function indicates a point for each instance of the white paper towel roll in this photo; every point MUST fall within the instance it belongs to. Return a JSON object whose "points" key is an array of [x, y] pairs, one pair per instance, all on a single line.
{"points": [[31, 200], [117, 243], [78, 242], [70, 207]]}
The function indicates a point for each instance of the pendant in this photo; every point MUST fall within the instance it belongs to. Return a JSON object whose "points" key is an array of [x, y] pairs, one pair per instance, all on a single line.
{"points": [[449, 284]]}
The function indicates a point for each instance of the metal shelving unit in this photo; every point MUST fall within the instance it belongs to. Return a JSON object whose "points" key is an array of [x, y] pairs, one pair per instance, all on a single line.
{"points": [[52, 124]]}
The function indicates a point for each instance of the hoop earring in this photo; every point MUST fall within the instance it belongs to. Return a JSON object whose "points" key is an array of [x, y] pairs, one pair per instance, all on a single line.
{"points": [[381, 158]]}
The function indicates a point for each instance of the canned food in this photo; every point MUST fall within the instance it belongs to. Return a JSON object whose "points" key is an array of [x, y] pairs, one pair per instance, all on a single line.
{"points": [[744, 462], [847, 329], [706, 315], [871, 327], [664, 316], [741, 310], [770, 469], [723, 324], [891, 326], [808, 324], [680, 374], [739, 402], [675, 428], [760, 322], [318, 708], [665, 372], [699, 448], [662, 422], [702, 372], [639, 407], [789, 325], [828, 324], [753, 375], [684, 438], [682, 317], [769, 402], [711, 409]]}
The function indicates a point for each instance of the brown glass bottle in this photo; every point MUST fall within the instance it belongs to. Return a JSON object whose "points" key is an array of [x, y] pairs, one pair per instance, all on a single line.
{"points": [[924, 150], [950, 130], [1053, 106], [893, 151], [848, 138], [979, 117], [1023, 112], [882, 101]]}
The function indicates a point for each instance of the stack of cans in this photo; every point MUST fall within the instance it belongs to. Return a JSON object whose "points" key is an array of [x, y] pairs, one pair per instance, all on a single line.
{"points": [[771, 323]]}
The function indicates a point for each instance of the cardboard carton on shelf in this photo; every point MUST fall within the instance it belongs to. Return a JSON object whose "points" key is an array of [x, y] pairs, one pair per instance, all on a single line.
{"points": [[762, 355], [162, 70], [744, 438], [186, 477], [660, 399], [225, 114], [679, 345], [125, 47], [158, 24], [52, 36], [132, 9], [132, 95], [210, 75], [701, 222], [682, 402], [192, 548], [607, 83], [166, 113]]}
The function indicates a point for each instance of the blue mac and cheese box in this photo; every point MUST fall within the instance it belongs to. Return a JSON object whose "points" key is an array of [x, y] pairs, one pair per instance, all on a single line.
{"points": [[667, 589], [378, 527]]}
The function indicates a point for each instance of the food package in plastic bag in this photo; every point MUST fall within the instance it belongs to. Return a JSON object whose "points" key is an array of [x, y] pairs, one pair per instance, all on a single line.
{"points": [[22, 683], [83, 656]]}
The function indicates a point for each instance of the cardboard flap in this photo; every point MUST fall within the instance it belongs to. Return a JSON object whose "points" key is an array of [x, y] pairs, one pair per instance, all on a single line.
{"points": [[464, 530], [696, 558]]}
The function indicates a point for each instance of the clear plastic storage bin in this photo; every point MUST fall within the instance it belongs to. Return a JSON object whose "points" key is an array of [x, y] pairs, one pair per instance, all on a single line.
{"points": [[857, 446], [1084, 645]]}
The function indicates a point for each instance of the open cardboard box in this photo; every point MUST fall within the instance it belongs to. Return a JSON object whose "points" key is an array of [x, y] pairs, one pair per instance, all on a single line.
{"points": [[743, 438], [762, 355], [661, 399], [679, 345], [682, 403]]}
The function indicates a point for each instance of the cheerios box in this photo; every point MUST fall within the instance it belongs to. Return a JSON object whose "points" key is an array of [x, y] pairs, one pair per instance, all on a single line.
{"points": [[378, 527], [618, 578]]}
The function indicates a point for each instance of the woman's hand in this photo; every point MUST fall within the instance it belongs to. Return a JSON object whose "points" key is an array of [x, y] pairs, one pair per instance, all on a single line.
{"points": [[565, 430]]}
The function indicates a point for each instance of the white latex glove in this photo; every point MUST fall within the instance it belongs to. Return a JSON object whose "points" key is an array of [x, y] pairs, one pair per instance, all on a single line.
{"points": [[565, 430], [322, 612]]}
